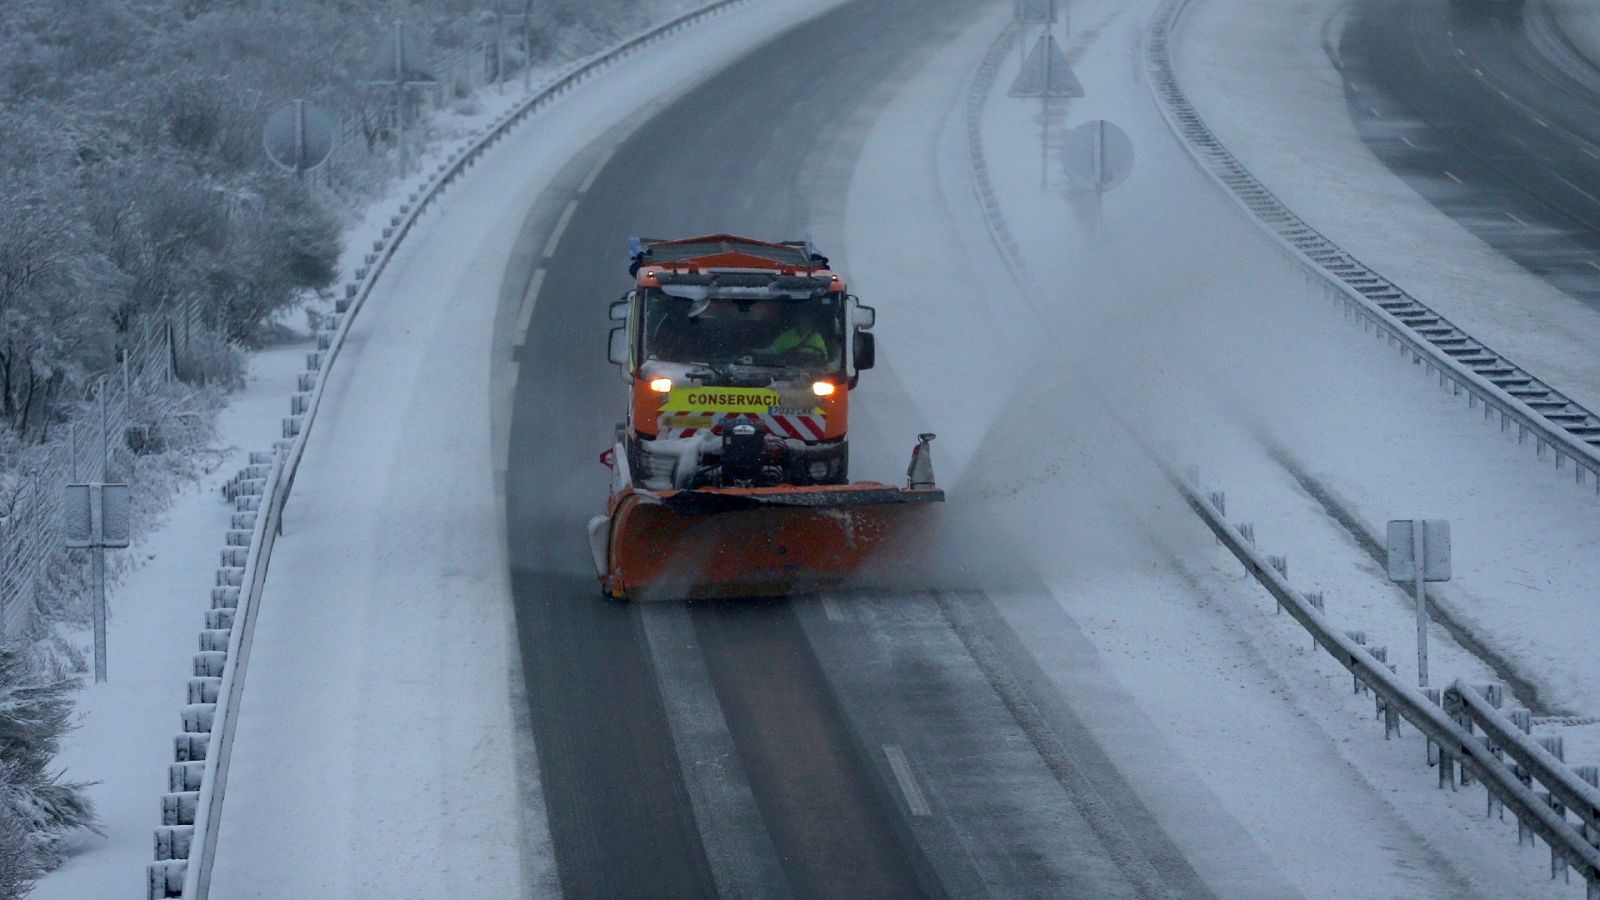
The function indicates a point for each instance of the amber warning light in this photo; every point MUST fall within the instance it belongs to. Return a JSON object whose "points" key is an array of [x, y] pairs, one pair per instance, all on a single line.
{"points": [[661, 385]]}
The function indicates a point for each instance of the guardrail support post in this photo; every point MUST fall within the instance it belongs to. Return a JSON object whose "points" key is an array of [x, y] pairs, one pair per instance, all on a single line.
{"points": [[1316, 600], [1359, 637]]}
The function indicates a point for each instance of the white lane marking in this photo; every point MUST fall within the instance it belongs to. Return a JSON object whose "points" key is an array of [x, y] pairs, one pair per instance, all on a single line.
{"points": [[1575, 187], [1375, 112], [525, 318], [561, 228], [1591, 153], [1594, 264], [588, 180], [1513, 218], [1478, 71], [917, 803], [1407, 142], [1541, 121], [1503, 94], [1452, 176], [834, 611]]}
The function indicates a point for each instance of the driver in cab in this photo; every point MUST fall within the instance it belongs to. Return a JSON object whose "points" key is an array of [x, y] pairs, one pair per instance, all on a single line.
{"points": [[800, 338]]}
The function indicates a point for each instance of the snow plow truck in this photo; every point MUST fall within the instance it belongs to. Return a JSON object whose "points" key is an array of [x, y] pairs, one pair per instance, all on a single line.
{"points": [[730, 473]]}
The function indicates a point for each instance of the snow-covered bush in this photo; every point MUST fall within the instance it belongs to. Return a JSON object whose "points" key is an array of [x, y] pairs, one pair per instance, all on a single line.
{"points": [[35, 712], [18, 868]]}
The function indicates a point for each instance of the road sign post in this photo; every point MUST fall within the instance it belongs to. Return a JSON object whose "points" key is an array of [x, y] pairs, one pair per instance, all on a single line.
{"points": [[299, 137], [398, 66], [98, 517], [1046, 74], [1419, 552], [1097, 156]]}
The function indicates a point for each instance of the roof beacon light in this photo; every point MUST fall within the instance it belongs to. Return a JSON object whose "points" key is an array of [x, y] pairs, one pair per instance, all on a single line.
{"points": [[822, 388], [661, 385]]}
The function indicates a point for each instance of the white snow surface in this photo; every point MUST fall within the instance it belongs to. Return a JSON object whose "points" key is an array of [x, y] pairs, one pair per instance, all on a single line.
{"points": [[1197, 328], [125, 727], [377, 754], [1579, 20], [1257, 72], [1525, 536]]}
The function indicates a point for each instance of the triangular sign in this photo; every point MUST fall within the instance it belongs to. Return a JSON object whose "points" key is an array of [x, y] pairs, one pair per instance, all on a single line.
{"points": [[1046, 73]]}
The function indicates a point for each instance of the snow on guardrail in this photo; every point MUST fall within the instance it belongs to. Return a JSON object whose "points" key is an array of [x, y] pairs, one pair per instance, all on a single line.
{"points": [[1556, 423], [1536, 784], [191, 810]]}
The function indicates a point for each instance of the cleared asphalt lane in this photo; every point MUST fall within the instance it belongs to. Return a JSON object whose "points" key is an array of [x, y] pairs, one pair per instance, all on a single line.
{"points": [[1490, 114], [728, 155], [731, 754]]}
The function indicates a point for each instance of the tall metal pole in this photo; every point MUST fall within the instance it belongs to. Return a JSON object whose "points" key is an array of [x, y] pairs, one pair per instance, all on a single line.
{"points": [[99, 553], [527, 46], [1044, 114], [105, 434], [1098, 148], [99, 612], [1022, 34], [499, 52], [1418, 547], [300, 140], [400, 94]]}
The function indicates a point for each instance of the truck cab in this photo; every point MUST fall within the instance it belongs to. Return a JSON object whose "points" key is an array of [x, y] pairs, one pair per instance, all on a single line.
{"points": [[740, 356]]}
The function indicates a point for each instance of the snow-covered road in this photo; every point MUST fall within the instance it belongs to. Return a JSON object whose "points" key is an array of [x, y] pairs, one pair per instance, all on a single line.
{"points": [[377, 754], [385, 748]]}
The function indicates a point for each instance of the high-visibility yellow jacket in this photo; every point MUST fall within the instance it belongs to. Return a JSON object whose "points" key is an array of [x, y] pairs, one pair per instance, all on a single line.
{"points": [[809, 340]]}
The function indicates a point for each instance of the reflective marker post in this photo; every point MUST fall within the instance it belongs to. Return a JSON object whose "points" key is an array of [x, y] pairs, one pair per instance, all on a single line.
{"points": [[98, 517], [1419, 552]]}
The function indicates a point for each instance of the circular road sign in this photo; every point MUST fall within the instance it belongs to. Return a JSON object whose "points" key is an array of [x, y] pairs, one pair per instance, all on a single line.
{"points": [[299, 136], [1097, 155]]}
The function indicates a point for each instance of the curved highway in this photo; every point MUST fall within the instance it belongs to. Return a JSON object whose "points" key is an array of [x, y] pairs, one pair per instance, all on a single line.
{"points": [[760, 748], [1491, 114]]}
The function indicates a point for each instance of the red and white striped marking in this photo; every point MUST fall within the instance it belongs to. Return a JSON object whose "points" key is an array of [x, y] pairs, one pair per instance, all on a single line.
{"points": [[682, 425]]}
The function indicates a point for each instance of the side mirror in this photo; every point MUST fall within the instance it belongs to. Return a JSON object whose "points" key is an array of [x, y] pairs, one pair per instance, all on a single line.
{"points": [[864, 317], [865, 349], [618, 351], [619, 310]]}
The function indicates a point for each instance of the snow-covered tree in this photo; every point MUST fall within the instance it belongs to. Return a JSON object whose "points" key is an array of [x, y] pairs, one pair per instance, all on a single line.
{"points": [[132, 182]]}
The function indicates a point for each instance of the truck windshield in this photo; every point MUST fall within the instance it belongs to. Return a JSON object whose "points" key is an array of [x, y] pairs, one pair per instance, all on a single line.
{"points": [[800, 334]]}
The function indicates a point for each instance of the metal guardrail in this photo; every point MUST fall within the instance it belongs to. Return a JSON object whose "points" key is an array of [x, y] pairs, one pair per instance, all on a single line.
{"points": [[1449, 720], [1556, 423], [186, 843], [1447, 723], [994, 219]]}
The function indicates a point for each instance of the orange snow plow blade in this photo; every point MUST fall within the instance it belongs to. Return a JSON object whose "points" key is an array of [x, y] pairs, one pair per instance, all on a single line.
{"points": [[749, 542]]}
